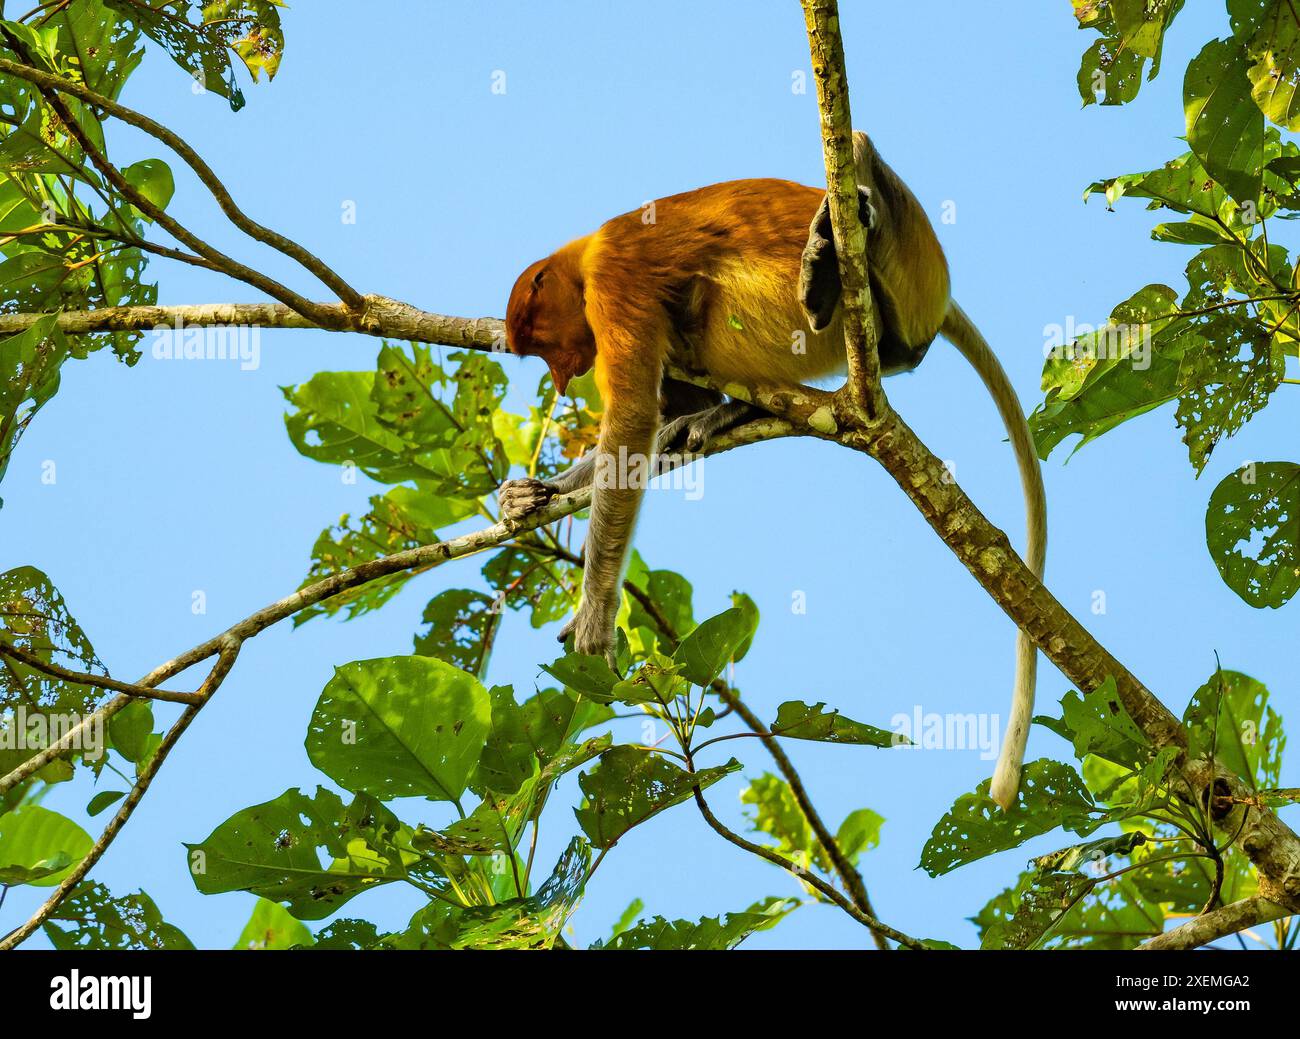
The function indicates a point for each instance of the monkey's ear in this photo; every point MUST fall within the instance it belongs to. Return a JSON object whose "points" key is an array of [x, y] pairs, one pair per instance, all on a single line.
{"points": [[819, 271], [537, 278]]}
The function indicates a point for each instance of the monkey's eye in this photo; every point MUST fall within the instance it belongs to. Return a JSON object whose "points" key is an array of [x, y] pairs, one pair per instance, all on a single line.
{"points": [[537, 278]]}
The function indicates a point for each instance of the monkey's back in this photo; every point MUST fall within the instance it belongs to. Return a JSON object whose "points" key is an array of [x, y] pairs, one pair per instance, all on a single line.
{"points": [[724, 260]]}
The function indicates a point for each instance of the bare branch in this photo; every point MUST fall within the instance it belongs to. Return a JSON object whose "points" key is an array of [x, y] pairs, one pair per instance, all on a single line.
{"points": [[866, 919], [98, 681]]}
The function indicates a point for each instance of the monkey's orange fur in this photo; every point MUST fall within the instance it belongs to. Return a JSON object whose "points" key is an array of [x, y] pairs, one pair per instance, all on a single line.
{"points": [[719, 281], [713, 283]]}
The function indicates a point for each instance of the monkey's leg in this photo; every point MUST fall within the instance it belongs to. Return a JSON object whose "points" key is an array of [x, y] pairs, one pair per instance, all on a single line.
{"points": [[819, 274], [692, 433]]}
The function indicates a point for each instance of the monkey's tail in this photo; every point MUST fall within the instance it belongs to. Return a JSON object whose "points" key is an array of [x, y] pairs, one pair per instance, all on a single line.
{"points": [[962, 333]]}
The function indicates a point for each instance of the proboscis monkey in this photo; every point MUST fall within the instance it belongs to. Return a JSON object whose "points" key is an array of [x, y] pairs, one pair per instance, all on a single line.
{"points": [[719, 282]]}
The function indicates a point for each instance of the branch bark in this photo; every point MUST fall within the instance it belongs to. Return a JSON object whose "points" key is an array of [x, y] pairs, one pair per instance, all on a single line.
{"points": [[1219, 923], [822, 19]]}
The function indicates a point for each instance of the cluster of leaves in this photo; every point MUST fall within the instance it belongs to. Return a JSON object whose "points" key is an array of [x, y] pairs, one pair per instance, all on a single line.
{"points": [[1220, 351], [68, 237], [1115, 892], [420, 727], [427, 726]]}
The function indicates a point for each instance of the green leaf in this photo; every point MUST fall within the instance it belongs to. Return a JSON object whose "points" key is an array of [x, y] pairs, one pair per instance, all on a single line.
{"points": [[859, 832], [400, 727], [462, 623], [1273, 50], [630, 785], [1225, 127], [1051, 795], [401, 519], [671, 593], [336, 422], [1098, 723], [1090, 853], [1041, 901], [91, 918], [35, 617], [800, 721], [627, 917], [274, 850], [1252, 528], [39, 847], [130, 728], [747, 605], [495, 824], [777, 814], [534, 922], [346, 933], [526, 737], [585, 674], [272, 927], [1132, 34], [153, 179], [102, 800], [710, 933], [29, 377], [1229, 717], [706, 651]]}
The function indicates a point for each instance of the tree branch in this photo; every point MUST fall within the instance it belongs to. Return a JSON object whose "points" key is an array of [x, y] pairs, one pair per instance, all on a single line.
{"points": [[98, 681], [866, 919], [863, 391], [1229, 919], [114, 176], [252, 228]]}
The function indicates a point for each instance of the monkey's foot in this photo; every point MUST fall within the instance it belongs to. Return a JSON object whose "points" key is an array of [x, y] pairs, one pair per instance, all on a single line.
{"points": [[819, 275], [694, 433], [593, 637], [519, 498]]}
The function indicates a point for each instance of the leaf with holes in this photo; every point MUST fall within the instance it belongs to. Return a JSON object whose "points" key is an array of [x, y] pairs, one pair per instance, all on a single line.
{"points": [[1051, 795], [400, 727], [630, 785], [1252, 528], [315, 853], [800, 721], [710, 933]]}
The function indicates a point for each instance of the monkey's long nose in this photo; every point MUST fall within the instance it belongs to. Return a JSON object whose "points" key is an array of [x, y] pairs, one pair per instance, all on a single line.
{"points": [[561, 380]]}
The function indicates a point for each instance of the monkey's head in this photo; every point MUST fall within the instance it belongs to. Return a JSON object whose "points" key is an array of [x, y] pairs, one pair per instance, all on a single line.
{"points": [[545, 318]]}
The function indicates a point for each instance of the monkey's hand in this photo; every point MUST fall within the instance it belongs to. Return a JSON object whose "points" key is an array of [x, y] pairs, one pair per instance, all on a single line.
{"points": [[518, 498], [819, 274]]}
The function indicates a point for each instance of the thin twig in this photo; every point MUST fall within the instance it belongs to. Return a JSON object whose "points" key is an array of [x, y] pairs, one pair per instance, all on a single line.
{"points": [[98, 681], [345, 292]]}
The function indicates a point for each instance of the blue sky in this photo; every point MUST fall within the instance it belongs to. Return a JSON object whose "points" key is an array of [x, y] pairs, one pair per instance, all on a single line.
{"points": [[177, 477]]}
